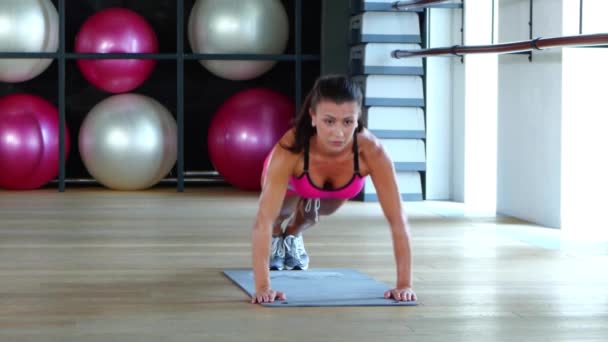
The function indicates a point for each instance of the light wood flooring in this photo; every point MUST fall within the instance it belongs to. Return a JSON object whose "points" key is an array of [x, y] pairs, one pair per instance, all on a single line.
{"points": [[97, 265]]}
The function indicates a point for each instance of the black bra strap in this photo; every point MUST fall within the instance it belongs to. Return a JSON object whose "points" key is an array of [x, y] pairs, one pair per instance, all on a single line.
{"points": [[356, 152], [306, 149]]}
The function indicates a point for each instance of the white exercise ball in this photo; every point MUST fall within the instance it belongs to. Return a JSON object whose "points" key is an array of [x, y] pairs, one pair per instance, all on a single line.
{"points": [[128, 142], [237, 26], [27, 26]]}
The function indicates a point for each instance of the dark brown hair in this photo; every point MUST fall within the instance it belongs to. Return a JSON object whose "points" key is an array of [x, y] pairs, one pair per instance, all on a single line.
{"points": [[336, 88]]}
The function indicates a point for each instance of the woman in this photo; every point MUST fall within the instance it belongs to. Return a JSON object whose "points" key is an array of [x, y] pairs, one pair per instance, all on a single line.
{"points": [[315, 167]]}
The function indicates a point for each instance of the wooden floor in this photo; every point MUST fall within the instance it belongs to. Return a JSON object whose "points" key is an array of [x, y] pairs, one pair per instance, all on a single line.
{"points": [[98, 265]]}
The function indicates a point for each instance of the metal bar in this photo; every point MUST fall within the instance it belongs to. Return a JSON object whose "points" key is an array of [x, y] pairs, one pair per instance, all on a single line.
{"points": [[416, 4], [580, 17], [91, 55], [202, 173], [531, 22], [462, 29], [173, 180], [194, 180], [188, 176], [298, 54], [427, 28], [531, 25], [61, 95], [159, 56], [29, 54], [493, 19], [180, 95], [94, 55], [535, 44], [294, 57], [426, 44]]}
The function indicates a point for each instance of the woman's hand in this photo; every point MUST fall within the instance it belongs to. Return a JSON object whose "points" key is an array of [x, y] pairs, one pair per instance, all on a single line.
{"points": [[405, 294], [267, 296]]}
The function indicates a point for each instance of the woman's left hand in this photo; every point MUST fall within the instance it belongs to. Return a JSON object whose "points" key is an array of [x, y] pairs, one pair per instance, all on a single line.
{"points": [[405, 294]]}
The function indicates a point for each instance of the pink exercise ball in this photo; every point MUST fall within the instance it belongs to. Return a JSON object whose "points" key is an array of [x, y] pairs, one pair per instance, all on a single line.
{"points": [[116, 30], [243, 131], [29, 142]]}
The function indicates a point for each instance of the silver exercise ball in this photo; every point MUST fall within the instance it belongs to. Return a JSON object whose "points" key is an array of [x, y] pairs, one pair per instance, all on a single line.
{"points": [[237, 26], [27, 26], [128, 142]]}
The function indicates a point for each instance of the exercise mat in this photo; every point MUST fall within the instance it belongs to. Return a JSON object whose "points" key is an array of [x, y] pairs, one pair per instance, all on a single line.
{"points": [[320, 287]]}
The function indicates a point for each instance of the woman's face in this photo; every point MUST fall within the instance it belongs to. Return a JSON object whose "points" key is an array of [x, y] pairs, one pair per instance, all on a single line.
{"points": [[335, 123]]}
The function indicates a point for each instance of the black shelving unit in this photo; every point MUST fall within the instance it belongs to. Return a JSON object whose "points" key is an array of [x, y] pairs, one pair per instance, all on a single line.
{"points": [[179, 82]]}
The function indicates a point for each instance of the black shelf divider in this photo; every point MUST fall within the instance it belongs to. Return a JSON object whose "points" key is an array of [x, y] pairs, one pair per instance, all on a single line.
{"points": [[61, 95], [298, 57], [180, 96], [163, 56]]}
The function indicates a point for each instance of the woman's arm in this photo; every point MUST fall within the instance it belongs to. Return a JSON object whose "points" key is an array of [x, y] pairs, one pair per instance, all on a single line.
{"points": [[274, 187], [383, 176]]}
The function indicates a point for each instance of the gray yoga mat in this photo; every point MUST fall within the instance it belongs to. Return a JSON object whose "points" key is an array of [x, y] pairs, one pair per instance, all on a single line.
{"points": [[320, 287]]}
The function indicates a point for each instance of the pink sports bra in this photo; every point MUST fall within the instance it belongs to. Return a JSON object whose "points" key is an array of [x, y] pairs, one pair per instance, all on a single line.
{"points": [[304, 187]]}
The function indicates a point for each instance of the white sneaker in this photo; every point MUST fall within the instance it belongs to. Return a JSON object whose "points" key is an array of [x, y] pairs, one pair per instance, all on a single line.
{"points": [[277, 254], [296, 257]]}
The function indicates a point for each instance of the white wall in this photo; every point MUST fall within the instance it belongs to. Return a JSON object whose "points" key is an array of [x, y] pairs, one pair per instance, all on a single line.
{"points": [[551, 118], [584, 163], [529, 116], [438, 109], [458, 86], [584, 167], [594, 16], [480, 107], [474, 88]]}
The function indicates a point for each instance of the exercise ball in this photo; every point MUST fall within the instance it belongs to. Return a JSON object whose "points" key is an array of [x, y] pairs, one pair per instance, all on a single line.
{"points": [[243, 131], [236, 26], [29, 142], [128, 142], [27, 26], [116, 30]]}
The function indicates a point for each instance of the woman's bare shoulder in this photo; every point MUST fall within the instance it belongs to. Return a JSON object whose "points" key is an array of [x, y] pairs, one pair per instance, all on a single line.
{"points": [[368, 143], [372, 152], [281, 149], [288, 138]]}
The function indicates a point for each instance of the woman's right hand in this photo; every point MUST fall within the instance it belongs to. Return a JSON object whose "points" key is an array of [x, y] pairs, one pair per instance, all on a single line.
{"points": [[274, 186], [267, 296]]}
